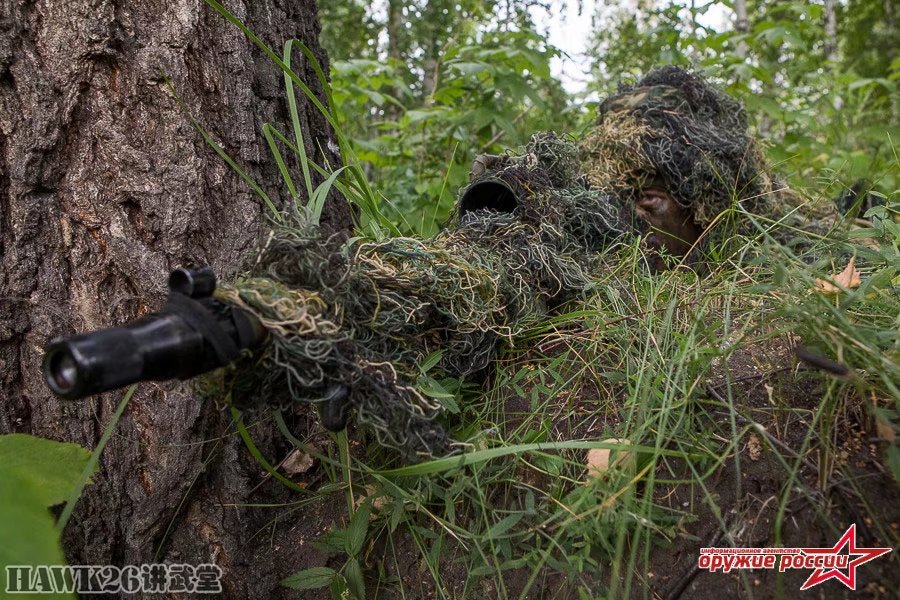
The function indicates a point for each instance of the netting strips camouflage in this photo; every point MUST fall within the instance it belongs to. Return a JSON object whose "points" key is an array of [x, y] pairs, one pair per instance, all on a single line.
{"points": [[368, 319], [674, 128], [530, 230]]}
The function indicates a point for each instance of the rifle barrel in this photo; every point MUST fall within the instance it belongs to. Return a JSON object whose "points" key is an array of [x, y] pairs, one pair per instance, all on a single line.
{"points": [[193, 334]]}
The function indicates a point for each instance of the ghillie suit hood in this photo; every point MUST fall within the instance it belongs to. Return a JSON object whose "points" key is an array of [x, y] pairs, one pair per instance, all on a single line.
{"points": [[674, 130], [366, 314]]}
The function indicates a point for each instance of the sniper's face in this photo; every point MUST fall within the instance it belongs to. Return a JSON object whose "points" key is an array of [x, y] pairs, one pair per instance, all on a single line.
{"points": [[672, 226], [621, 156]]}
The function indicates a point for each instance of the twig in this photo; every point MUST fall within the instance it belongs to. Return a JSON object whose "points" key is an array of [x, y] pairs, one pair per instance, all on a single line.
{"points": [[499, 135]]}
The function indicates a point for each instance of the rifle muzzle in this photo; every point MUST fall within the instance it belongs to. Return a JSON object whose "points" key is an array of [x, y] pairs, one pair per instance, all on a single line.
{"points": [[488, 194], [194, 333]]}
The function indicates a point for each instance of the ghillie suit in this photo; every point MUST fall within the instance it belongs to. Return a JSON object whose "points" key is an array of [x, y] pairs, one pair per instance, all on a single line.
{"points": [[674, 130], [365, 315], [354, 321]]}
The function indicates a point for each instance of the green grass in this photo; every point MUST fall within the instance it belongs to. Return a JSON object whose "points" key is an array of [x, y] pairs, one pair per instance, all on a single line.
{"points": [[635, 363], [639, 366]]}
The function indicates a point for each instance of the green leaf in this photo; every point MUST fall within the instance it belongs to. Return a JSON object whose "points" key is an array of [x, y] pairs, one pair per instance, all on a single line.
{"points": [[864, 232], [335, 541], [53, 467], [470, 69], [434, 389], [359, 526], [398, 514], [317, 201], [295, 123], [338, 587], [26, 526], [504, 525], [491, 569], [431, 360], [354, 576], [415, 116], [309, 579], [279, 160]]}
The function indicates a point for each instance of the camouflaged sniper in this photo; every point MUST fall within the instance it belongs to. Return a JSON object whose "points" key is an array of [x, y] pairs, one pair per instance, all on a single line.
{"points": [[366, 314], [675, 130]]}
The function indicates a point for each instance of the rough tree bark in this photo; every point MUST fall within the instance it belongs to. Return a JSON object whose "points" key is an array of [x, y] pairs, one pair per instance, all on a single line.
{"points": [[105, 187]]}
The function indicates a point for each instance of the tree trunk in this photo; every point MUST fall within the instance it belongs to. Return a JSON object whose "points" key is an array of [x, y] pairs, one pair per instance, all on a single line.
{"points": [[105, 187], [741, 25], [429, 79], [393, 26], [394, 23], [830, 29]]}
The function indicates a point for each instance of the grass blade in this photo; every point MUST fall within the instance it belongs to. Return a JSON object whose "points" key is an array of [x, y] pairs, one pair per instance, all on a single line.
{"points": [[92, 463]]}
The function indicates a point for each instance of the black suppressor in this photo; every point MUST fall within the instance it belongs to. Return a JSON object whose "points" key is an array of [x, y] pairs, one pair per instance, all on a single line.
{"points": [[194, 333]]}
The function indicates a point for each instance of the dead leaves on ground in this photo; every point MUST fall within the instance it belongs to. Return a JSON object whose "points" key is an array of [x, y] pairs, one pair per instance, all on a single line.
{"points": [[847, 279], [883, 426], [602, 460], [754, 447], [297, 462]]}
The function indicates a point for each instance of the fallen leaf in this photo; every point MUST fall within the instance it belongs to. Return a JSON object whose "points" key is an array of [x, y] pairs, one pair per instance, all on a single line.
{"points": [[598, 459], [885, 430], [848, 278], [379, 500], [754, 447], [297, 462]]}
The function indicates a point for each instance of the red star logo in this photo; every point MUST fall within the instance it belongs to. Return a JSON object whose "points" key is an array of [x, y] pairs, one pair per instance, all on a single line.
{"points": [[849, 578]]}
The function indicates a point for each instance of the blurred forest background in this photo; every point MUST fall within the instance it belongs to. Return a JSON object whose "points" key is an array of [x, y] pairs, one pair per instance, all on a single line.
{"points": [[423, 86]]}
